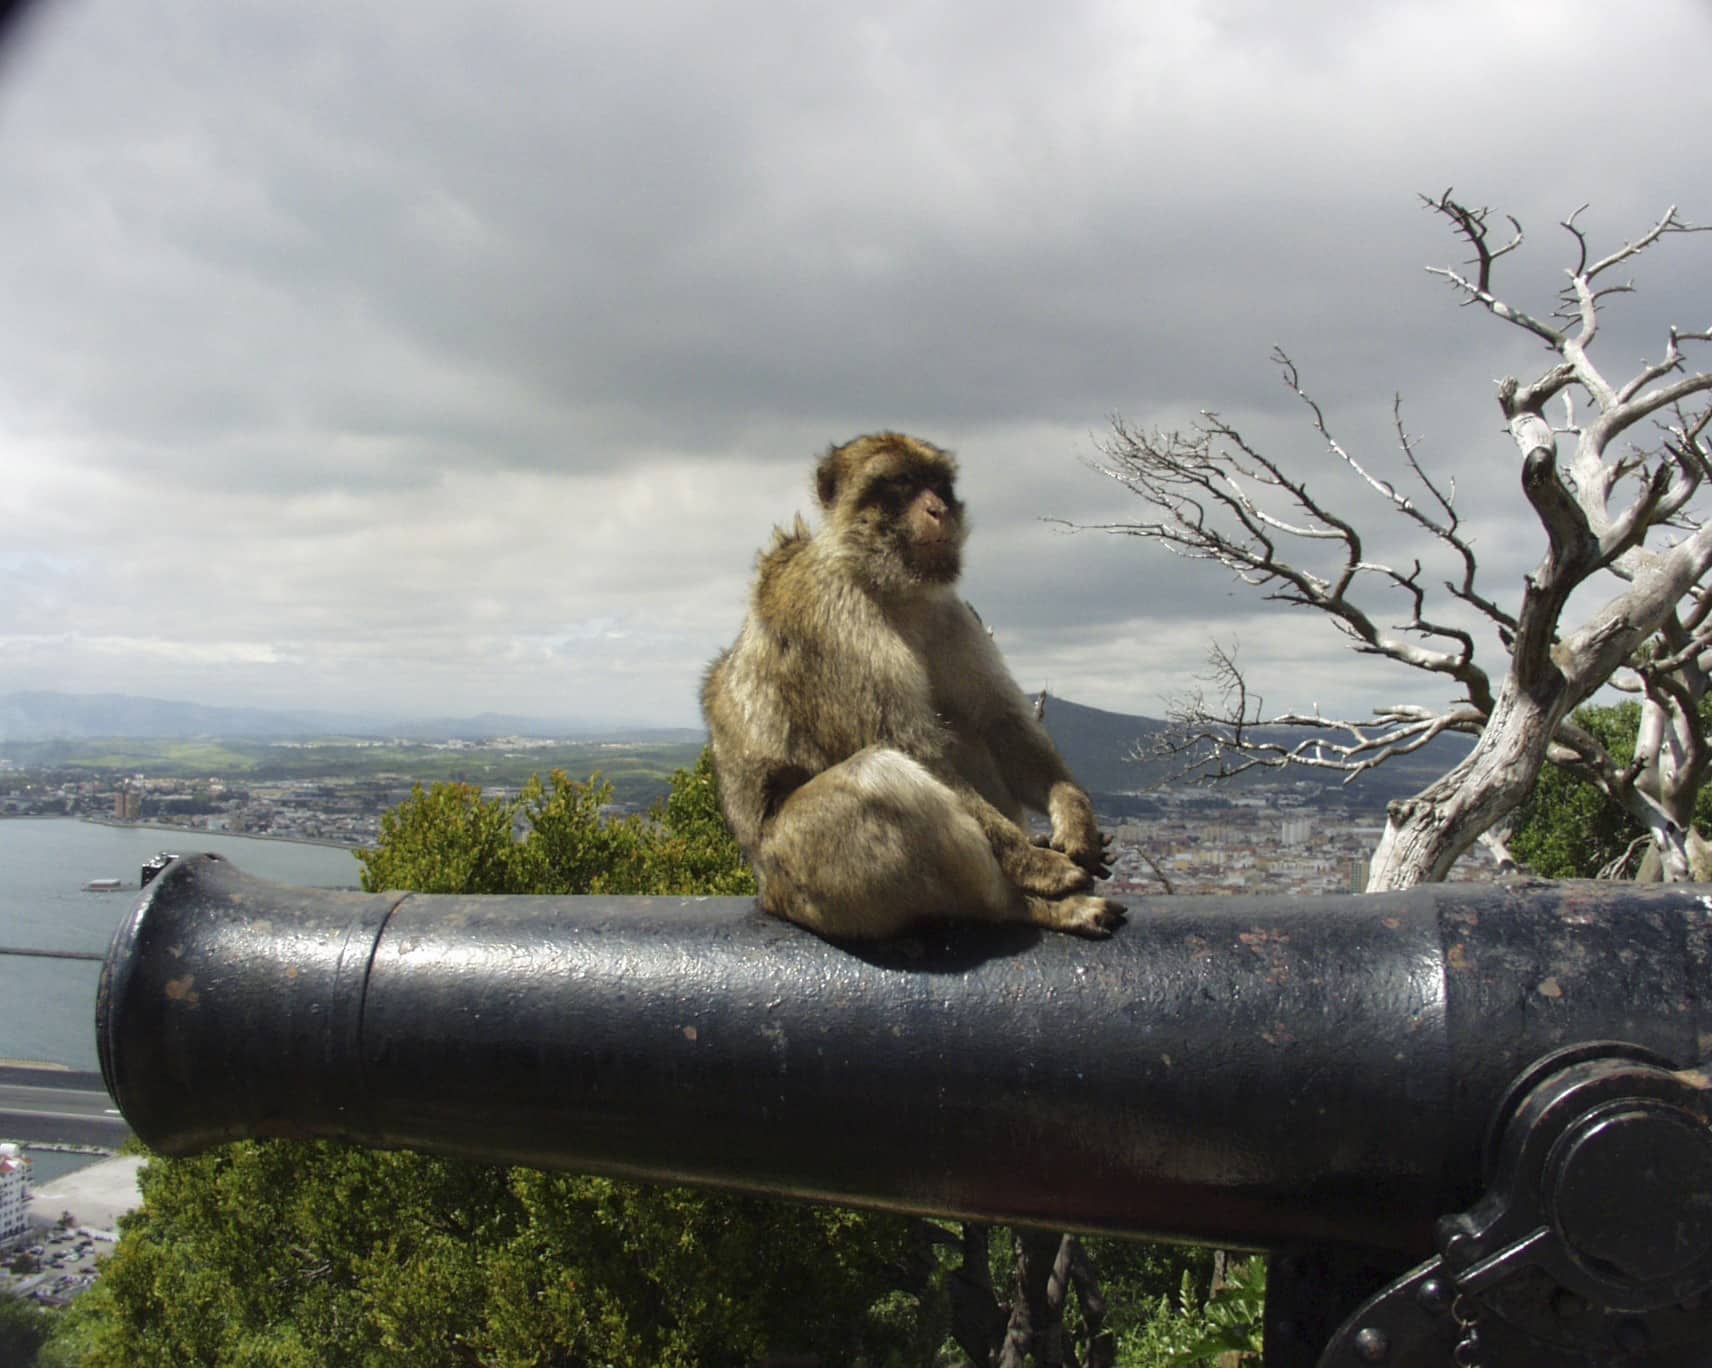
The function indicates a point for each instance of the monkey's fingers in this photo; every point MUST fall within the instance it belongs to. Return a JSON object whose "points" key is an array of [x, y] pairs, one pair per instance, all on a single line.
{"points": [[1101, 868], [1097, 861]]}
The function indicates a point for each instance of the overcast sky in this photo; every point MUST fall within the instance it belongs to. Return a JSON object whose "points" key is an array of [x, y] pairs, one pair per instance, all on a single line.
{"points": [[451, 357]]}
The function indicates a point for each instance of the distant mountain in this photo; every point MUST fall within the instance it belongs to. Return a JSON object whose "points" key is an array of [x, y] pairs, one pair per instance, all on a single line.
{"points": [[485, 725], [1097, 745], [44, 716], [47, 716]]}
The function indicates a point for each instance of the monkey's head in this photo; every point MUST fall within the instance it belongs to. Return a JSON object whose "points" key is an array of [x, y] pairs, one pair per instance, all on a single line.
{"points": [[891, 507]]}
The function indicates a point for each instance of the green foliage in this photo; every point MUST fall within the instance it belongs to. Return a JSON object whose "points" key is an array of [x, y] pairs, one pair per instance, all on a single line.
{"points": [[298, 1254], [1197, 1328], [316, 1254], [448, 839], [1138, 1275], [23, 1330], [693, 851], [665, 1276], [553, 838], [1566, 829], [1569, 830]]}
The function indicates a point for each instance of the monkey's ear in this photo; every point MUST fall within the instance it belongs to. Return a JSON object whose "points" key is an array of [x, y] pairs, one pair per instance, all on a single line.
{"points": [[826, 478]]}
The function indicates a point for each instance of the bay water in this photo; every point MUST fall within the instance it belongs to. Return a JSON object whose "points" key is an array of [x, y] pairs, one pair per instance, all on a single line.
{"points": [[47, 1006]]}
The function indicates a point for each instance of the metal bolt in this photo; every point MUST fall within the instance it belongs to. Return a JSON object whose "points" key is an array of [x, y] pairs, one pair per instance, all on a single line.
{"points": [[1371, 1345], [1566, 1305], [1433, 1297], [1631, 1335]]}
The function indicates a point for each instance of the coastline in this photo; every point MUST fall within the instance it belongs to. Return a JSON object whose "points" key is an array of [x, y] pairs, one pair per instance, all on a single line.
{"points": [[224, 835]]}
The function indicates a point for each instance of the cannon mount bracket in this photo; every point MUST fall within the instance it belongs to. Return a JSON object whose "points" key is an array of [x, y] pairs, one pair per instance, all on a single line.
{"points": [[1591, 1245]]}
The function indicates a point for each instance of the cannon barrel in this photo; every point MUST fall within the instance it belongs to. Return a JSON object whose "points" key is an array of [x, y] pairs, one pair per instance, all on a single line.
{"points": [[1256, 1071]]}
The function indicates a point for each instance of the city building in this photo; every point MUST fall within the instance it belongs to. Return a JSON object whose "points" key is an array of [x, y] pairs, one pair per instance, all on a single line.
{"points": [[14, 1194]]}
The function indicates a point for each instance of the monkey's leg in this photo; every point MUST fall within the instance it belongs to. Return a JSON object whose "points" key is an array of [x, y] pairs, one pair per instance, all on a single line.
{"points": [[1083, 914], [875, 844]]}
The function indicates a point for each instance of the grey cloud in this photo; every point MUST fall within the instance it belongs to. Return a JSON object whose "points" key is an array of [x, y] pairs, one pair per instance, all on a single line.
{"points": [[481, 279]]}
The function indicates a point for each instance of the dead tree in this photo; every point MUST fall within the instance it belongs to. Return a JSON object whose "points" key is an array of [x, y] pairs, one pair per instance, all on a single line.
{"points": [[1611, 513]]}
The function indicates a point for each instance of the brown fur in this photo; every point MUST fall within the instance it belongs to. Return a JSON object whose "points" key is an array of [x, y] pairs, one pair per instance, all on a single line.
{"points": [[874, 755]]}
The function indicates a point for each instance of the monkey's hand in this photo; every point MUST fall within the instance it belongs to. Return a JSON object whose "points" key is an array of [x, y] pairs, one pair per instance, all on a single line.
{"points": [[1096, 867], [1074, 833], [1043, 871], [1034, 868]]}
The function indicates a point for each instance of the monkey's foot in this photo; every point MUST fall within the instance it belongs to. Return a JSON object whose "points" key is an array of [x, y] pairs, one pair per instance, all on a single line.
{"points": [[1081, 914]]}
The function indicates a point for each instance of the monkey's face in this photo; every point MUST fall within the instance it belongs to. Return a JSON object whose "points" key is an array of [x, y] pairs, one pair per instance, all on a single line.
{"points": [[929, 527], [892, 503]]}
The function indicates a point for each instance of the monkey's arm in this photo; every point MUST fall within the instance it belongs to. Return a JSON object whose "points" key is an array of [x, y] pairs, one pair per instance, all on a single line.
{"points": [[1038, 776], [1046, 870], [750, 740], [1024, 755]]}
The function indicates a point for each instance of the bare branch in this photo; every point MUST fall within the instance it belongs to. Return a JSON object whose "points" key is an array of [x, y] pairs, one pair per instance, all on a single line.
{"points": [[1689, 654], [1580, 238], [1631, 411], [1471, 225], [1157, 870], [1208, 488], [1218, 741], [1496, 840], [1672, 362], [1669, 223], [1614, 631], [1617, 868]]}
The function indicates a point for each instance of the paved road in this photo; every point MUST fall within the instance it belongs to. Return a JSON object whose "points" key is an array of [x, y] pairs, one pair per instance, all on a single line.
{"points": [[75, 1114]]}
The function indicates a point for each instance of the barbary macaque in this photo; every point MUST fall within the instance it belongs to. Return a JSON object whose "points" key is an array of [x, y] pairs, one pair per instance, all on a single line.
{"points": [[874, 755]]}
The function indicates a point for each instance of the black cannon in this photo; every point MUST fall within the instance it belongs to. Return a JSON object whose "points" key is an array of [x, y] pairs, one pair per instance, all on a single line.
{"points": [[1468, 1124]]}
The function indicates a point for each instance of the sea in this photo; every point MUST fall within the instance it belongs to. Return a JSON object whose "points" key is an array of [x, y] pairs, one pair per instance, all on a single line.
{"points": [[47, 1006]]}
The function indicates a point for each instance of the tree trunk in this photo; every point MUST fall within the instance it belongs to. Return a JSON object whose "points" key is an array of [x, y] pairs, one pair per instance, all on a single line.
{"points": [[1695, 862], [1102, 1344], [1427, 834], [977, 1320], [1037, 1304], [1671, 742]]}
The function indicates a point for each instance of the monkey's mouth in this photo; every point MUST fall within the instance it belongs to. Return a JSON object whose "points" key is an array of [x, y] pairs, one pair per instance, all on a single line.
{"points": [[937, 561]]}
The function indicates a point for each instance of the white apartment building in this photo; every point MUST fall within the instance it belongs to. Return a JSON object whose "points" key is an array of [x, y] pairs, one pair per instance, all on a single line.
{"points": [[14, 1194]]}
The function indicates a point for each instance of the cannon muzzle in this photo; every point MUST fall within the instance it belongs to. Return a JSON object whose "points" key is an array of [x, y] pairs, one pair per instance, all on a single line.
{"points": [[1263, 1072]]}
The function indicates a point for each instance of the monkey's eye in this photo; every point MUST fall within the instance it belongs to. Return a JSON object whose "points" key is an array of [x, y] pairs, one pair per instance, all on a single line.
{"points": [[894, 491]]}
